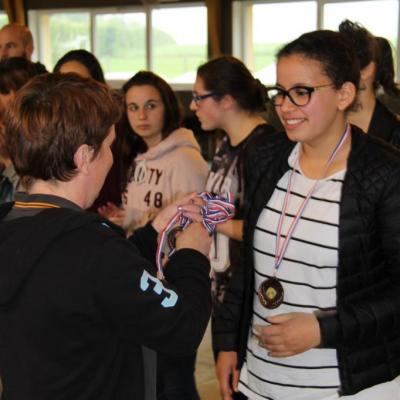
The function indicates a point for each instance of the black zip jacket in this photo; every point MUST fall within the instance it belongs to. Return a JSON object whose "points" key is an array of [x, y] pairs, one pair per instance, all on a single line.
{"points": [[365, 329], [385, 125], [78, 301]]}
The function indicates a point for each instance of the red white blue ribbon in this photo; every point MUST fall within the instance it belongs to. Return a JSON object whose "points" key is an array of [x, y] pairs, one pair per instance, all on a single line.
{"points": [[281, 250], [216, 209]]}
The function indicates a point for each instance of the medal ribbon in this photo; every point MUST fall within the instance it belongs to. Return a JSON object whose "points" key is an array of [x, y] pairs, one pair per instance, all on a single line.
{"points": [[280, 252], [216, 209]]}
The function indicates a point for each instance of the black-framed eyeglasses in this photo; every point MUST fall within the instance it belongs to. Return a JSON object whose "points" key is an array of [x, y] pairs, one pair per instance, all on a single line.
{"points": [[198, 97], [299, 95]]}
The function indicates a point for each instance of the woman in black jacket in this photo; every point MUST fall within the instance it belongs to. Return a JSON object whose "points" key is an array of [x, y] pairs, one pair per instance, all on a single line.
{"points": [[376, 73], [314, 312], [78, 301]]}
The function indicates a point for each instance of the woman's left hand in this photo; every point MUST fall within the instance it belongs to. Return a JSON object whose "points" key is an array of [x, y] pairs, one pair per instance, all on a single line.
{"points": [[289, 334], [189, 205]]}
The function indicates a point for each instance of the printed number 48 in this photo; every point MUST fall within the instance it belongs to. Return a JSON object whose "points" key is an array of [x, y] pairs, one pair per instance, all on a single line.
{"points": [[153, 200]]}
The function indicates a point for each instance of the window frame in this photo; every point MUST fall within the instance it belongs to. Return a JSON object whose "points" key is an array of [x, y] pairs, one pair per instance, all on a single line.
{"points": [[242, 25], [34, 17]]}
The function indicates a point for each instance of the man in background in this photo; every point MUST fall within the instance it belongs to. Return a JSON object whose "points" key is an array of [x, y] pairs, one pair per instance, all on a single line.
{"points": [[16, 41]]}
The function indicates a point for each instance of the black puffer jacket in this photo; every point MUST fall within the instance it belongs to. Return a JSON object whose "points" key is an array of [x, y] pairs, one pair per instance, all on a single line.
{"points": [[365, 329], [385, 125]]}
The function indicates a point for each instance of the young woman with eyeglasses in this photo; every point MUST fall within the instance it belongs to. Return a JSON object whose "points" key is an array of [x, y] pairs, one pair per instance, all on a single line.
{"points": [[377, 73], [226, 96], [314, 311]]}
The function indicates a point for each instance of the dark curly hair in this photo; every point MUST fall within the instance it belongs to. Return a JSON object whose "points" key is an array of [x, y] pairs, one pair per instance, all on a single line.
{"points": [[369, 49]]}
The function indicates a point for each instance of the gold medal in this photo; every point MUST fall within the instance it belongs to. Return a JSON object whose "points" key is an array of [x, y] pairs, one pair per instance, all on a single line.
{"points": [[270, 293]]}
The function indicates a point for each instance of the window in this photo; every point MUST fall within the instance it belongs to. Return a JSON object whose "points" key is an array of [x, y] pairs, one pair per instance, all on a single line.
{"points": [[179, 47], [170, 40], [268, 26], [120, 43], [388, 11], [60, 32], [3, 19], [260, 28]]}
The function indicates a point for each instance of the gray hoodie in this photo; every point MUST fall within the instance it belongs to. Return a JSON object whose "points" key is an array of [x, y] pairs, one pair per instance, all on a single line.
{"points": [[166, 172]]}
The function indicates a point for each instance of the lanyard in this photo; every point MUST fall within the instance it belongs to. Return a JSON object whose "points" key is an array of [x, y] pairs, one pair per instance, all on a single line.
{"points": [[281, 250], [34, 204], [216, 209]]}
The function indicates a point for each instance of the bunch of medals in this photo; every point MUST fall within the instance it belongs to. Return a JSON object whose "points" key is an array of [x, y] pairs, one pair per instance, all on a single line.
{"points": [[216, 209]]}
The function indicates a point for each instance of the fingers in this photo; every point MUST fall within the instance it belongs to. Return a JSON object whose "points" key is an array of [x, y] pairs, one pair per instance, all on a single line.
{"points": [[191, 199], [289, 334], [270, 337], [225, 390], [235, 380], [224, 386], [191, 211], [280, 318], [109, 210], [225, 370], [227, 396]]}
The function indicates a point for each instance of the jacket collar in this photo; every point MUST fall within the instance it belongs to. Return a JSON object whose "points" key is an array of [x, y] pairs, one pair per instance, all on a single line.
{"points": [[382, 122]]}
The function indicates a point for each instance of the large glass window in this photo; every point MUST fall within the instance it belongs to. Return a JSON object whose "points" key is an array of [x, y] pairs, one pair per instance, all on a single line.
{"points": [[120, 43], [366, 13], [60, 32], [173, 46], [3, 19], [261, 27], [179, 42], [271, 25]]}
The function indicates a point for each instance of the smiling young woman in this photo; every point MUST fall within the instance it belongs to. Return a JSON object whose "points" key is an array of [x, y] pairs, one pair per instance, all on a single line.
{"points": [[319, 285]]}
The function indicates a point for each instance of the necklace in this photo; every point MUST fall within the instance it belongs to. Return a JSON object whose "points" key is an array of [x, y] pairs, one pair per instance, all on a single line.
{"points": [[271, 292]]}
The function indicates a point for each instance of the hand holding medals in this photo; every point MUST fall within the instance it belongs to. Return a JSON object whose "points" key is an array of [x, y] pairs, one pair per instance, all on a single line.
{"points": [[212, 210]]}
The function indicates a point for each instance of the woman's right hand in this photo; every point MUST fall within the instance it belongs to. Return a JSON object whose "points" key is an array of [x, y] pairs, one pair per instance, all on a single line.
{"points": [[227, 374]]}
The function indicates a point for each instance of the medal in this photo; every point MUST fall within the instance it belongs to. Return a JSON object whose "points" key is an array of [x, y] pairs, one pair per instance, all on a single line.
{"points": [[171, 238], [270, 293], [216, 209]]}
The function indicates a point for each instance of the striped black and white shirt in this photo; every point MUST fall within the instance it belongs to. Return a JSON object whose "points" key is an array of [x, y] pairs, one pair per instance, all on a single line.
{"points": [[308, 276]]}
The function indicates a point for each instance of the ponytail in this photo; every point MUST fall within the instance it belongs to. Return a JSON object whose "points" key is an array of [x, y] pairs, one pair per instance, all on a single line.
{"points": [[385, 68]]}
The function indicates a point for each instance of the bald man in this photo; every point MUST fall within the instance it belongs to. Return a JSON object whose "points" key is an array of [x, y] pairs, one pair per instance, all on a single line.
{"points": [[15, 41]]}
